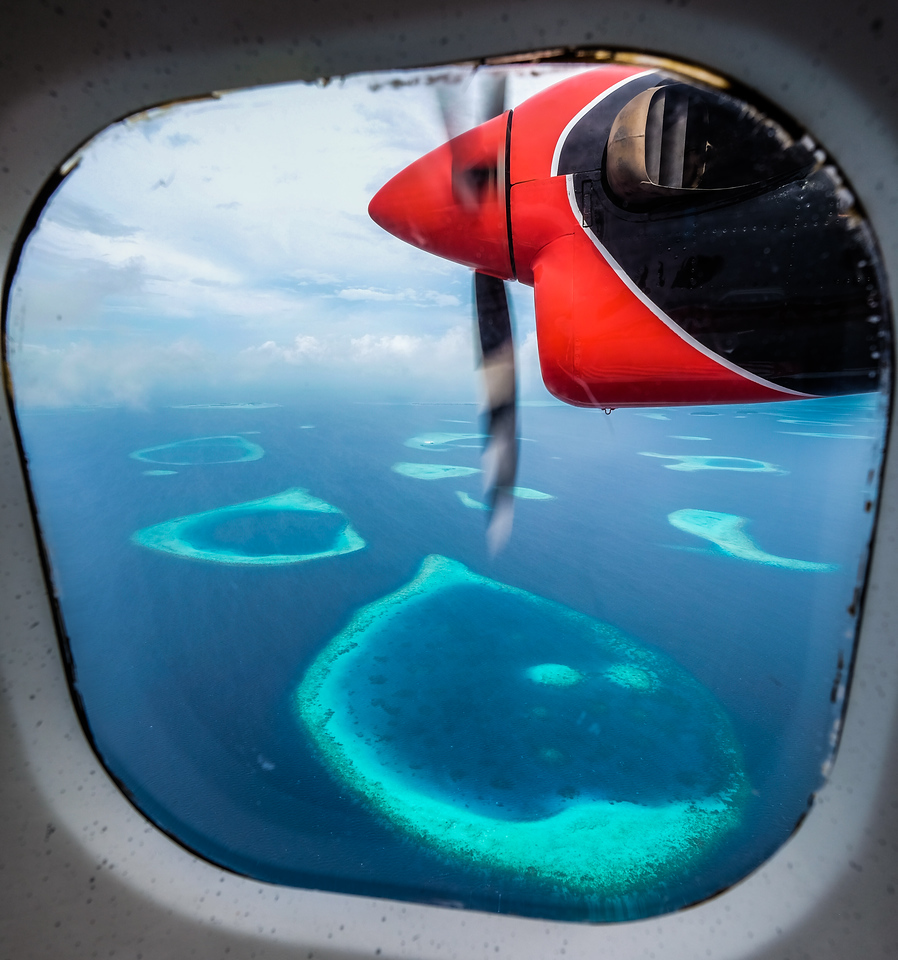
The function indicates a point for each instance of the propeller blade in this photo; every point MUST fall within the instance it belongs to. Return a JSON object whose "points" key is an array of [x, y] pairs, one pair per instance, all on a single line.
{"points": [[500, 455], [493, 98], [449, 98], [455, 102]]}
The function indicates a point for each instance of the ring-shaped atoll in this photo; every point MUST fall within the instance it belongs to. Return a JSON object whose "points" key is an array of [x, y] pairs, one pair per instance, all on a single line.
{"points": [[726, 531], [231, 534], [200, 451], [432, 471], [444, 707], [690, 462]]}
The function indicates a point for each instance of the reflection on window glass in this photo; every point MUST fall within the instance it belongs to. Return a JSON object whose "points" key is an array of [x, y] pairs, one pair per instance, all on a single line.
{"points": [[335, 623]]}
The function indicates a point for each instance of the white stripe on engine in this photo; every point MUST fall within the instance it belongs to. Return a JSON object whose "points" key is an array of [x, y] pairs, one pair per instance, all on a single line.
{"points": [[662, 316]]}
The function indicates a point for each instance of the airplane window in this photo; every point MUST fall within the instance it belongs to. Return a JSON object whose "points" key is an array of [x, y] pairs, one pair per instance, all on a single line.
{"points": [[550, 614]]}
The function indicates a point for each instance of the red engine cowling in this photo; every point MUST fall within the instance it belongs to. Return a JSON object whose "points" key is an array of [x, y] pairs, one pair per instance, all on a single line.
{"points": [[525, 196]]}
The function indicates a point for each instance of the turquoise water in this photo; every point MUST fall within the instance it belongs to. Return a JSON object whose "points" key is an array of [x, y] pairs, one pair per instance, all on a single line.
{"points": [[290, 527], [440, 441], [727, 532], [606, 773], [522, 493], [309, 668], [202, 450], [690, 462], [276, 533], [528, 493], [470, 502], [432, 471]]}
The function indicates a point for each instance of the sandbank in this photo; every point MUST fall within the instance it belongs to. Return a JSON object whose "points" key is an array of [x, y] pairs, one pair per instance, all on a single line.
{"points": [[440, 441], [726, 531], [432, 471]]}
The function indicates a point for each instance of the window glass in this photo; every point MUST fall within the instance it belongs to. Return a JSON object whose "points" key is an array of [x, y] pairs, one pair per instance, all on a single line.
{"points": [[322, 642]]}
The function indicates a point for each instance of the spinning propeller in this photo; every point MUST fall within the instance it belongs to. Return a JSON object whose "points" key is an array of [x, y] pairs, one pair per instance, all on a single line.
{"points": [[500, 456], [476, 181]]}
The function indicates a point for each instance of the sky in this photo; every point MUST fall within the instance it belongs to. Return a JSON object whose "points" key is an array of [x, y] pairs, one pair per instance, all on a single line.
{"points": [[220, 250]]}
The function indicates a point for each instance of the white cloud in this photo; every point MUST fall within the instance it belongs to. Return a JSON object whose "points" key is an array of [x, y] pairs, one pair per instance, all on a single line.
{"points": [[303, 348], [240, 226], [427, 298], [86, 374], [370, 348], [157, 257], [399, 366]]}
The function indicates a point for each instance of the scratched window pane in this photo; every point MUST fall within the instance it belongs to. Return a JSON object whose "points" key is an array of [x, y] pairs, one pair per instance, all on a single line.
{"points": [[548, 613]]}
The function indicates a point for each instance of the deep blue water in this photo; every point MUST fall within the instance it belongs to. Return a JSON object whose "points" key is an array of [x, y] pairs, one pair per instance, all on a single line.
{"points": [[187, 669], [451, 682], [261, 534]]}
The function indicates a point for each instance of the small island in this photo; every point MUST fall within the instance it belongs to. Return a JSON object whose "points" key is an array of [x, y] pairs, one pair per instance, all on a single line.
{"points": [[689, 462], [432, 471], [522, 493], [726, 531], [443, 441]]}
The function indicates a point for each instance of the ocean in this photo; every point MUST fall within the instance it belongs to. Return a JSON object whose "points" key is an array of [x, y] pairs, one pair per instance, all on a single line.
{"points": [[723, 544]]}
